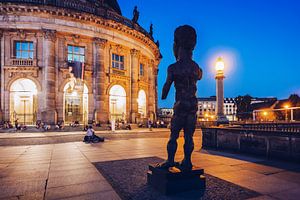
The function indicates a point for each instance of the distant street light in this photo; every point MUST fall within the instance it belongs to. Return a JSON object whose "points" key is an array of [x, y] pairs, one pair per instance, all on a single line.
{"points": [[286, 106], [220, 66], [265, 114]]}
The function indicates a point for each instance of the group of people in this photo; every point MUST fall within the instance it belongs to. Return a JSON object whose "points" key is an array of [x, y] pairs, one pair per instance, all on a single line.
{"points": [[46, 127], [6, 125], [17, 126], [120, 125]]}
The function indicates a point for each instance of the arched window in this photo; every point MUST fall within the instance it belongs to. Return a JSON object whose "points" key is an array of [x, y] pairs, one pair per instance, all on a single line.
{"points": [[117, 102], [142, 106]]}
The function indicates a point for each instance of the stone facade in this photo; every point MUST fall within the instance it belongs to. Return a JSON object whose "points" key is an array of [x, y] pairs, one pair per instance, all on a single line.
{"points": [[52, 30]]}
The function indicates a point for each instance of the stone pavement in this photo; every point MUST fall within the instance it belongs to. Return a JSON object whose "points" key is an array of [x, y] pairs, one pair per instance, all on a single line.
{"points": [[34, 138], [65, 171]]}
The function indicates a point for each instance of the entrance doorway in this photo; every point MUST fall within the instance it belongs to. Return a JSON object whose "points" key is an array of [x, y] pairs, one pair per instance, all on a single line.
{"points": [[117, 102], [75, 103], [142, 104], [23, 101]]}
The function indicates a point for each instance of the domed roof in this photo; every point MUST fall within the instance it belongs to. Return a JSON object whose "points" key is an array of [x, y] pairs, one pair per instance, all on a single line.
{"points": [[113, 5], [90, 6]]}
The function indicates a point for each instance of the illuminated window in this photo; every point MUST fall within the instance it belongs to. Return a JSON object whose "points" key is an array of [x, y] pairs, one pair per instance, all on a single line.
{"points": [[141, 69], [76, 53], [23, 50], [117, 62]]}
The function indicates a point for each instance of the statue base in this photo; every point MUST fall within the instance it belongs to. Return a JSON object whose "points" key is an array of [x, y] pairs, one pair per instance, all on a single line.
{"points": [[174, 181]]}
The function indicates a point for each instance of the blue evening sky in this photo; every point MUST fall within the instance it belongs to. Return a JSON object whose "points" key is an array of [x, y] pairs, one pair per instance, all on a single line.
{"points": [[258, 39]]}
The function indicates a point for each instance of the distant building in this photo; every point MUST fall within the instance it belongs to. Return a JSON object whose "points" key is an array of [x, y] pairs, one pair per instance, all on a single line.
{"points": [[263, 100], [165, 112], [207, 108]]}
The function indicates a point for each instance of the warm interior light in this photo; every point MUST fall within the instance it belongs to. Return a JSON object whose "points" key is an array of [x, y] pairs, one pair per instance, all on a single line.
{"points": [[286, 106], [265, 113], [220, 64]]}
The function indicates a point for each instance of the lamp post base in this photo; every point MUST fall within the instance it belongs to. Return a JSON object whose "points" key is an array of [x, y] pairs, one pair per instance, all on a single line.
{"points": [[222, 120]]}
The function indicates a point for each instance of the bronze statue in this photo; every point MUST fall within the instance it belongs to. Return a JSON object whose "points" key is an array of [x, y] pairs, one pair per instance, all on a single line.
{"points": [[136, 15], [151, 30], [184, 73]]}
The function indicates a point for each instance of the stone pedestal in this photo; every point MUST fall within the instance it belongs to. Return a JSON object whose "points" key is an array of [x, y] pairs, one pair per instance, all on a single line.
{"points": [[173, 181]]}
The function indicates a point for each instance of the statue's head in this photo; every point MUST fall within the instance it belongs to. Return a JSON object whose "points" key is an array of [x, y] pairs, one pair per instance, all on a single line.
{"points": [[185, 39]]}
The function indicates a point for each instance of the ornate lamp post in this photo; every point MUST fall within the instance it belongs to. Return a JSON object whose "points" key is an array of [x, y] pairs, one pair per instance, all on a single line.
{"points": [[221, 118]]}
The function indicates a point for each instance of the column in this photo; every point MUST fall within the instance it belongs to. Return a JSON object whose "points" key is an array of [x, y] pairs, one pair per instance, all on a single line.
{"points": [[135, 54], [155, 84], [1, 75], [101, 99], [221, 118], [49, 114]]}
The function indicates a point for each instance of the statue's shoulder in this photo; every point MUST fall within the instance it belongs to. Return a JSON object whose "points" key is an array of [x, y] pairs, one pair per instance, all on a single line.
{"points": [[172, 67]]}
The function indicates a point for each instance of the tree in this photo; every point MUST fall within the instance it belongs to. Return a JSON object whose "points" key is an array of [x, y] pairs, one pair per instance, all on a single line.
{"points": [[244, 110]]}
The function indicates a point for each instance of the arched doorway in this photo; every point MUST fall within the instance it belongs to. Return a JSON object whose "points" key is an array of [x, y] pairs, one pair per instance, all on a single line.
{"points": [[142, 108], [75, 103], [23, 101], [117, 102]]}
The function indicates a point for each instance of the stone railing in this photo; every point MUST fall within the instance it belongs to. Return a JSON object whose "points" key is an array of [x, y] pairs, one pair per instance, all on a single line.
{"points": [[271, 144], [91, 8], [282, 126], [23, 62]]}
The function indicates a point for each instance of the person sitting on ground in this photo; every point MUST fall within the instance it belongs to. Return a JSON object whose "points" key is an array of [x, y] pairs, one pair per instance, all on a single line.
{"points": [[91, 137]]}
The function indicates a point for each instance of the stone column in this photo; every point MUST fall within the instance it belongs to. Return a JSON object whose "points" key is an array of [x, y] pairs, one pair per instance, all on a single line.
{"points": [[49, 114], [221, 118], [1, 74], [156, 63], [100, 81], [135, 54]]}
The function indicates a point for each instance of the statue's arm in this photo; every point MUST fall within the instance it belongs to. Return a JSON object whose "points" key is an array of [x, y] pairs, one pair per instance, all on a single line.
{"points": [[168, 83]]}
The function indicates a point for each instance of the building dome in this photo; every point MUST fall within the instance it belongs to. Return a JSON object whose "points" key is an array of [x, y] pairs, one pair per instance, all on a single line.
{"points": [[90, 6], [113, 5]]}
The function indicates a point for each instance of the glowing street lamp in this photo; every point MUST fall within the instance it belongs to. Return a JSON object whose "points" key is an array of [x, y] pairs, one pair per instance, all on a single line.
{"points": [[286, 106], [220, 66], [265, 114]]}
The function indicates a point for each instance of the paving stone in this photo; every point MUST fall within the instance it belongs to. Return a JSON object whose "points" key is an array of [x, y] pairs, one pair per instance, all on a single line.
{"points": [[238, 175], [74, 179], [17, 188], [263, 197], [263, 169], [32, 196], [108, 195], [77, 190], [288, 176], [61, 173], [268, 185], [292, 194]]}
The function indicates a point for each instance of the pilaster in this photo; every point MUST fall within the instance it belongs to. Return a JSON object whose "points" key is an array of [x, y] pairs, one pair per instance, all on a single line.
{"points": [[135, 55], [100, 81], [49, 114]]}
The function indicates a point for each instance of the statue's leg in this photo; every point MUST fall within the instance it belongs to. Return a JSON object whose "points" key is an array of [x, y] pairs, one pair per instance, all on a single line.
{"points": [[189, 129], [176, 126]]}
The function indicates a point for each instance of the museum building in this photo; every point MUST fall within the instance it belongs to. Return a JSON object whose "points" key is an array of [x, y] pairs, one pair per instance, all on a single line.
{"points": [[75, 60]]}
